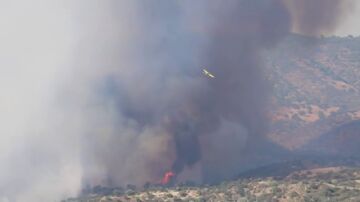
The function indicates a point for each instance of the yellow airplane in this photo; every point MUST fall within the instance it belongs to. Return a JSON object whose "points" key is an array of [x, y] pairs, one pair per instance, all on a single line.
{"points": [[208, 74]]}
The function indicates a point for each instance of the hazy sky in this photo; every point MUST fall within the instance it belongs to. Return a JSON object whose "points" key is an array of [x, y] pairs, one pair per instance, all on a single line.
{"points": [[351, 24]]}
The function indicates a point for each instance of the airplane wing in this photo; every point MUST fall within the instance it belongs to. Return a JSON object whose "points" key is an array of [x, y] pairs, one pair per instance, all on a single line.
{"points": [[207, 73]]}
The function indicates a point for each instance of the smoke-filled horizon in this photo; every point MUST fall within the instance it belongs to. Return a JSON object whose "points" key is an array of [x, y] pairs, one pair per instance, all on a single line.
{"points": [[112, 93]]}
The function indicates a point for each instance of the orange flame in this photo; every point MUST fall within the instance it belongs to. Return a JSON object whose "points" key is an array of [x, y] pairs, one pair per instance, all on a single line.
{"points": [[167, 178]]}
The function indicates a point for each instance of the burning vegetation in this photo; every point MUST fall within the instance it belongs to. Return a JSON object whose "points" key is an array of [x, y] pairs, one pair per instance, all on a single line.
{"points": [[169, 178]]}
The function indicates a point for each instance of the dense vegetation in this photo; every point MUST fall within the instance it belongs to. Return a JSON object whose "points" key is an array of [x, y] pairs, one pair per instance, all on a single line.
{"points": [[321, 184]]}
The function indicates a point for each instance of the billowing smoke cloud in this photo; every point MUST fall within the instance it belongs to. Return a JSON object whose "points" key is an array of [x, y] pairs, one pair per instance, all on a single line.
{"points": [[112, 92], [239, 94], [39, 148], [320, 16]]}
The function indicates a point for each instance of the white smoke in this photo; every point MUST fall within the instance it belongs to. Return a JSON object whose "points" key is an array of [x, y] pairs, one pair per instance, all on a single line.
{"points": [[60, 130], [39, 141]]}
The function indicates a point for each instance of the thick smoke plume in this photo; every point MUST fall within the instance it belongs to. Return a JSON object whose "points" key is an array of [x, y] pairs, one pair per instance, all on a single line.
{"points": [[112, 92], [318, 17]]}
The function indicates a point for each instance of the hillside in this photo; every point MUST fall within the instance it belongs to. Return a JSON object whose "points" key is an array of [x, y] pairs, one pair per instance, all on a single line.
{"points": [[341, 141], [316, 87], [309, 184]]}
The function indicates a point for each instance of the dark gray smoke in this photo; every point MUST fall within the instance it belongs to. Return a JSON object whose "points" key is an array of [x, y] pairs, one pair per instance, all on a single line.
{"points": [[112, 92], [239, 94], [237, 35], [166, 115]]}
